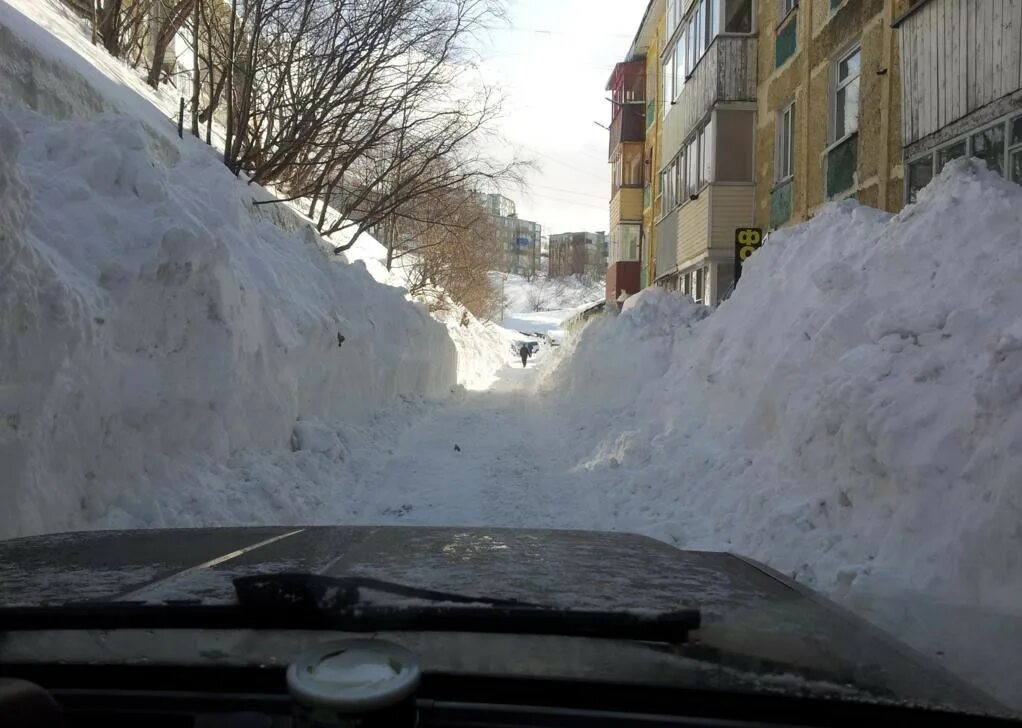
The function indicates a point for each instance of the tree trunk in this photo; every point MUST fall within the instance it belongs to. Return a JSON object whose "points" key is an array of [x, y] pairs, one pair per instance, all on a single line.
{"points": [[229, 70], [196, 74], [390, 244]]}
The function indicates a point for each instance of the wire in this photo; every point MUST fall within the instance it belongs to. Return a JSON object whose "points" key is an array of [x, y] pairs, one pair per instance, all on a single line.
{"points": [[570, 192], [543, 31]]}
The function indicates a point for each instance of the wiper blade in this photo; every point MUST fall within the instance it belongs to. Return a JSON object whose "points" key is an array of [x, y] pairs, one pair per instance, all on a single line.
{"points": [[289, 601], [337, 603], [329, 593]]}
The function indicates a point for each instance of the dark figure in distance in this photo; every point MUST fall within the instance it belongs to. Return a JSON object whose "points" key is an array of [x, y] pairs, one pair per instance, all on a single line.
{"points": [[524, 353]]}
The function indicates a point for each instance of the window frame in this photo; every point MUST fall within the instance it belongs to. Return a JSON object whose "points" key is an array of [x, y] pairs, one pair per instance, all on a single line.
{"points": [[836, 86], [785, 8], [722, 19], [788, 110]]}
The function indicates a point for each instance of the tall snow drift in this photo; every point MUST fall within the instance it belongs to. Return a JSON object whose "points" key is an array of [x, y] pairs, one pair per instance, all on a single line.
{"points": [[852, 415], [157, 329]]}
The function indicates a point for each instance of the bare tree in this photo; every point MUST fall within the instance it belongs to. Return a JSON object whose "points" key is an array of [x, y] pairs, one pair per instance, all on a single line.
{"points": [[351, 108], [451, 249], [167, 18]]}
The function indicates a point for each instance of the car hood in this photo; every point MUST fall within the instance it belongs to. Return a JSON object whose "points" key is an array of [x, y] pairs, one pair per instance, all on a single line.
{"points": [[752, 617]]}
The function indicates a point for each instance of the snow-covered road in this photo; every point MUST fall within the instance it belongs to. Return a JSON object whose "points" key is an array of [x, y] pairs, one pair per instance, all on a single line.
{"points": [[480, 458]]}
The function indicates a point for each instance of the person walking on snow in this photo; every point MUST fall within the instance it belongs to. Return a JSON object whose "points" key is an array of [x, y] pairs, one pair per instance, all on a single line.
{"points": [[524, 353]]}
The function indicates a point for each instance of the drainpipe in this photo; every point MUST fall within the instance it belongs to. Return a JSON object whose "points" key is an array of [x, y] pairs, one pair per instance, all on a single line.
{"points": [[885, 110]]}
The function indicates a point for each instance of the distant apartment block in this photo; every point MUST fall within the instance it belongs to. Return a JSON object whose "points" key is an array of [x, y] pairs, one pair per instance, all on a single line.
{"points": [[520, 240], [577, 254]]}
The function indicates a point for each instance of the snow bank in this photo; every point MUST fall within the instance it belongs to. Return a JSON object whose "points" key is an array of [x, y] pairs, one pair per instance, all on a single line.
{"points": [[851, 416], [547, 294], [159, 333]]}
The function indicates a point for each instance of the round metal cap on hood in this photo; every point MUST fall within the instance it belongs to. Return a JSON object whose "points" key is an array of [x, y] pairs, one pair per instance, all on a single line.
{"points": [[354, 676]]}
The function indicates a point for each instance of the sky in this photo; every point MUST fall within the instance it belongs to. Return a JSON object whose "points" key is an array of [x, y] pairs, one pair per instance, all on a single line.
{"points": [[552, 63]]}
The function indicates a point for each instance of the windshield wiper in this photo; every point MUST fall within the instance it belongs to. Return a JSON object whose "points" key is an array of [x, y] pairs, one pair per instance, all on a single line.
{"points": [[312, 601], [339, 603]]}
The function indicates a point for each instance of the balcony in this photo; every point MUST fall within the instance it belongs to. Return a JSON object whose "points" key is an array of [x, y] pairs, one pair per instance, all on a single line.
{"points": [[726, 72], [629, 125]]}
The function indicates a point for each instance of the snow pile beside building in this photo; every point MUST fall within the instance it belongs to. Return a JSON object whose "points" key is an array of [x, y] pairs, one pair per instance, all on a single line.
{"points": [[852, 416], [157, 329]]}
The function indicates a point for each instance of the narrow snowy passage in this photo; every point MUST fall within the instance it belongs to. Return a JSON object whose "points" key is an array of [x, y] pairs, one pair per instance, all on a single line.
{"points": [[481, 458]]}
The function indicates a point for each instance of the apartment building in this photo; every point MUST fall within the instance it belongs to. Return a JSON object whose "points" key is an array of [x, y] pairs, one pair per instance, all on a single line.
{"points": [[627, 86], [577, 254], [962, 86], [829, 123], [519, 239], [708, 120], [648, 42]]}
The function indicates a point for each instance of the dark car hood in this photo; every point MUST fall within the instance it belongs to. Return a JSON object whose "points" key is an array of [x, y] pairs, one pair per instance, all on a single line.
{"points": [[753, 618]]}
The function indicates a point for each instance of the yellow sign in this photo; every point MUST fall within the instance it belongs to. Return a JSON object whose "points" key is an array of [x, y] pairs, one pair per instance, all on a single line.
{"points": [[747, 242]]}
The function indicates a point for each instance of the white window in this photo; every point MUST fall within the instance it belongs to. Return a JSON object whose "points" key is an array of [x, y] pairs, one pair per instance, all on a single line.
{"points": [[663, 204], [786, 6], [844, 109], [710, 15], [668, 82], [669, 190], [679, 180], [784, 149], [699, 30], [692, 171], [679, 66], [706, 153]]}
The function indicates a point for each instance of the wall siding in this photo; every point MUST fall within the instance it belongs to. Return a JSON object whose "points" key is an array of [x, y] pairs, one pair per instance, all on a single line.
{"points": [[693, 227], [733, 207], [630, 204], [958, 56]]}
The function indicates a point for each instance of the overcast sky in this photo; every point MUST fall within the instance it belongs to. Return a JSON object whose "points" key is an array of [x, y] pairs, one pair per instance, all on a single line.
{"points": [[553, 64]]}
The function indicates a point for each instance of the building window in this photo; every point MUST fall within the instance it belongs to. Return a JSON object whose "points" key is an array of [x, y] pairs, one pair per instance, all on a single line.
{"points": [[784, 148], [785, 7], [736, 137], [626, 241], [920, 172], [671, 193], [679, 180], [952, 151], [786, 42], [988, 145], [699, 284], [1015, 149], [705, 159], [842, 161], [845, 95], [662, 205], [692, 168], [672, 15], [668, 78], [737, 16], [699, 30], [710, 16], [690, 43], [679, 67]]}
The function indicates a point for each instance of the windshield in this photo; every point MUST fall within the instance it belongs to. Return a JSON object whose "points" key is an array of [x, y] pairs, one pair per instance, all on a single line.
{"points": [[740, 277]]}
